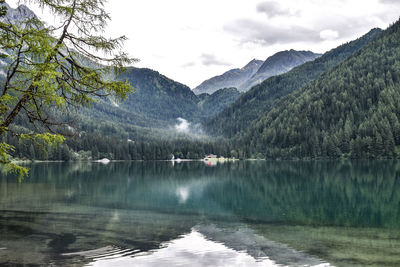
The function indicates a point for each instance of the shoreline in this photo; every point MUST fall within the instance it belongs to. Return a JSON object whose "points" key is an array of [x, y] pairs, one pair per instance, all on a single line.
{"points": [[23, 162]]}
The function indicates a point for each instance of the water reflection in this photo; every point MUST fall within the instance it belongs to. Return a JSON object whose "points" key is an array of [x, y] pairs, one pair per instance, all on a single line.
{"points": [[340, 212]]}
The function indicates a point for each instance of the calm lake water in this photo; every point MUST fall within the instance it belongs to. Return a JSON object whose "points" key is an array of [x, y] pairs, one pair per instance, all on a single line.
{"points": [[233, 214]]}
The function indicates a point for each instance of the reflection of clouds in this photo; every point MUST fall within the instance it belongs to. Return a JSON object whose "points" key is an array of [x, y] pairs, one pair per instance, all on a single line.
{"points": [[113, 221], [115, 217], [191, 189], [103, 161], [183, 194], [70, 194], [190, 250]]}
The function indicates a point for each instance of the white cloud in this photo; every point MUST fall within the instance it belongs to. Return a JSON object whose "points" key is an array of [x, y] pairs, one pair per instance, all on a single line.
{"points": [[169, 36], [274, 9], [266, 33], [329, 35], [212, 60], [390, 1], [185, 127]]}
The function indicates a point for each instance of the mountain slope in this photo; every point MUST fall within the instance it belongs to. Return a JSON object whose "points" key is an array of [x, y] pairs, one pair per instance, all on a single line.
{"points": [[279, 63], [231, 78], [210, 105], [158, 101], [159, 97], [353, 109], [252, 104]]}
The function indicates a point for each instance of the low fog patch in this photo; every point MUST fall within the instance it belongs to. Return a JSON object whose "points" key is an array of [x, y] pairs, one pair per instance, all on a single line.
{"points": [[182, 126], [185, 127]]}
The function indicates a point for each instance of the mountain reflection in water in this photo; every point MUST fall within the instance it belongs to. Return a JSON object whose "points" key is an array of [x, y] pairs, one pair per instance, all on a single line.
{"points": [[238, 213]]}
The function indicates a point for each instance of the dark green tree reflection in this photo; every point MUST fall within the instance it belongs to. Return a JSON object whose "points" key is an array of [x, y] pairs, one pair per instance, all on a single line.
{"points": [[64, 208]]}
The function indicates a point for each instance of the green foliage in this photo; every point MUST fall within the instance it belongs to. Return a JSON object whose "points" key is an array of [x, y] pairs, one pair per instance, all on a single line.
{"points": [[46, 72], [7, 165], [3, 9], [352, 110]]}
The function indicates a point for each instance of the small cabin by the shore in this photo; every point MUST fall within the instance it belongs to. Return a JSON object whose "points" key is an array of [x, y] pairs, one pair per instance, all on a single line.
{"points": [[211, 156]]}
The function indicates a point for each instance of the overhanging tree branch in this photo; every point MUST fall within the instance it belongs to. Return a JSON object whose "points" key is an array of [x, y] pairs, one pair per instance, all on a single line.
{"points": [[50, 71]]}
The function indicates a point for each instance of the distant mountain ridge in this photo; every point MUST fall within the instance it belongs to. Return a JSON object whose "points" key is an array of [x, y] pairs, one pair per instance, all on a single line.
{"points": [[256, 71], [231, 78], [279, 63]]}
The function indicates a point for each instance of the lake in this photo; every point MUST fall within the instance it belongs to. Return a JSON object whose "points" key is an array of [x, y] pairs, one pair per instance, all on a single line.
{"points": [[234, 214]]}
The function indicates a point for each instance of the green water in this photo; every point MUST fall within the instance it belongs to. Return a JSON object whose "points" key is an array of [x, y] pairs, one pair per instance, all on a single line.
{"points": [[233, 214]]}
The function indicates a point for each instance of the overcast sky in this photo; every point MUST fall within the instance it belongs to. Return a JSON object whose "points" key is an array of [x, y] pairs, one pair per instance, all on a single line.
{"points": [[193, 40]]}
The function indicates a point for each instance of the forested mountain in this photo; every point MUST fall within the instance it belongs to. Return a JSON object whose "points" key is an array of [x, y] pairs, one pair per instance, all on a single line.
{"points": [[158, 101], [256, 71], [279, 63], [353, 109], [252, 104], [231, 78], [159, 97], [210, 105]]}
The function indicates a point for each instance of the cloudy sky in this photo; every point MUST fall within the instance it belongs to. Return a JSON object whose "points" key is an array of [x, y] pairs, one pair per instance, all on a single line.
{"points": [[193, 40]]}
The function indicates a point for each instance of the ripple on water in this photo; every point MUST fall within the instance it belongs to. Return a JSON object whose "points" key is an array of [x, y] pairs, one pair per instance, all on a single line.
{"points": [[105, 253], [192, 249]]}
